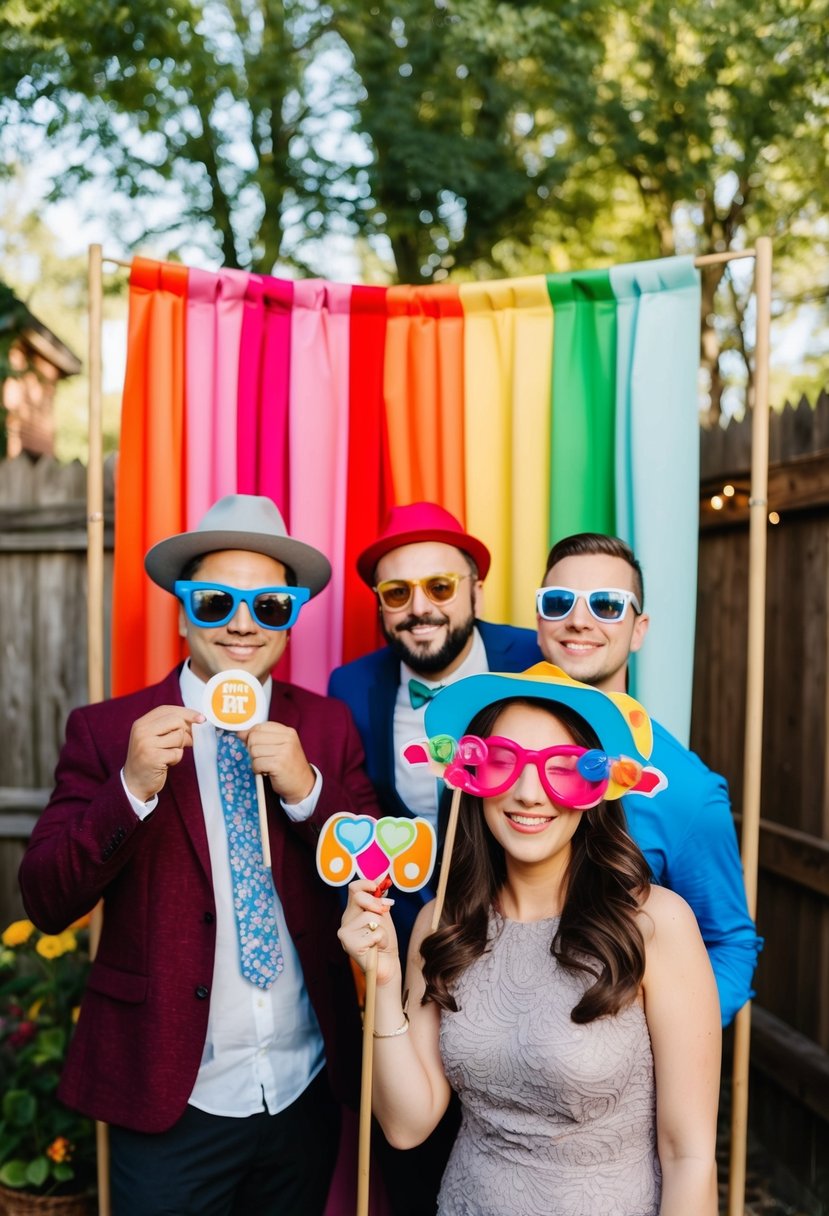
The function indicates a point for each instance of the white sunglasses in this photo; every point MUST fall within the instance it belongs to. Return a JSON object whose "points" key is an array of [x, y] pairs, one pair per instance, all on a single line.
{"points": [[606, 604]]}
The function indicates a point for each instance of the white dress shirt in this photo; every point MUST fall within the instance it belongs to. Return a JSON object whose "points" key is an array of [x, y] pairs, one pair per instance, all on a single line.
{"points": [[263, 1048], [416, 786]]}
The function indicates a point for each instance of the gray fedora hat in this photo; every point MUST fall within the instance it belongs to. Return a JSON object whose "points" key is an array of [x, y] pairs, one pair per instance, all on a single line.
{"points": [[239, 521]]}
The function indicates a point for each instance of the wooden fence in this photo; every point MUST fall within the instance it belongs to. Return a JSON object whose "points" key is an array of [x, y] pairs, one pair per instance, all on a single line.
{"points": [[43, 673], [790, 1021]]}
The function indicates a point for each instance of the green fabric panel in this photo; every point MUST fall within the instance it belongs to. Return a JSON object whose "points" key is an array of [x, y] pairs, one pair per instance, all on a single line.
{"points": [[582, 476]]}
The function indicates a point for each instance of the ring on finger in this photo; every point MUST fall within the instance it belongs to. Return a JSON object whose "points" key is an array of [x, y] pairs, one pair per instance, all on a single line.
{"points": [[372, 926]]}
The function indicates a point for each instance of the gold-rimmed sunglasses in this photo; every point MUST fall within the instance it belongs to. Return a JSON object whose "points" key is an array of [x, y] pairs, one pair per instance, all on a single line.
{"points": [[396, 593]]}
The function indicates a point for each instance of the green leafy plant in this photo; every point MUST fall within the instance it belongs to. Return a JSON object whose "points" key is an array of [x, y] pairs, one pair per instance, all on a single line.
{"points": [[45, 1148]]}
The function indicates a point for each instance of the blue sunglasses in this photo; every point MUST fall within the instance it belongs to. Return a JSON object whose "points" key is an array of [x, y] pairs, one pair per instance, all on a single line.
{"points": [[211, 604]]}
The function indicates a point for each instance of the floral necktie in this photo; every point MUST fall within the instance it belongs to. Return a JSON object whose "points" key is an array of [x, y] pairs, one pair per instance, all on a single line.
{"points": [[254, 900]]}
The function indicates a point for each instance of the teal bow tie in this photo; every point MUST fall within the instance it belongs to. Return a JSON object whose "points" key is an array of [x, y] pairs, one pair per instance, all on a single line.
{"points": [[419, 693]]}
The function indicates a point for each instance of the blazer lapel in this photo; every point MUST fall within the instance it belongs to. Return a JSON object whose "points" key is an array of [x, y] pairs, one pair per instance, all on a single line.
{"points": [[182, 784]]}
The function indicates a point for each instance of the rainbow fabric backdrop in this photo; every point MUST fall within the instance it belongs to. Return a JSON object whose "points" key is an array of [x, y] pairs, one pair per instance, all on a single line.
{"points": [[530, 408]]}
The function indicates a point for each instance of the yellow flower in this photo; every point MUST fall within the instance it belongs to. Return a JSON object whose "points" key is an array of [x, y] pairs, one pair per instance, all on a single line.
{"points": [[34, 1010], [18, 933], [54, 945], [60, 1149]]}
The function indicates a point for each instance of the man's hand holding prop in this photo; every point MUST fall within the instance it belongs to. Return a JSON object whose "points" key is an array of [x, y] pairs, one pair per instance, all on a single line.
{"points": [[157, 742], [235, 700]]}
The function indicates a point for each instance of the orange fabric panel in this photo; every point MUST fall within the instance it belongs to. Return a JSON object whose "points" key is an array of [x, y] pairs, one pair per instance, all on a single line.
{"points": [[149, 485], [423, 389]]}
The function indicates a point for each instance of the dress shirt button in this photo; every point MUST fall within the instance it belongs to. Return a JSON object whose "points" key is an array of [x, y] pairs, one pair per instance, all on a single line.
{"points": [[202, 992], [209, 918]]}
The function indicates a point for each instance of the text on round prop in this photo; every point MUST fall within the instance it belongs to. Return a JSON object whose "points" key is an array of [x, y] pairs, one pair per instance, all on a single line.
{"points": [[234, 700]]}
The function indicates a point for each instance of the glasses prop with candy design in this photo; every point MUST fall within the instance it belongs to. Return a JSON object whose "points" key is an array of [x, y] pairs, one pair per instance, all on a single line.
{"points": [[573, 777]]}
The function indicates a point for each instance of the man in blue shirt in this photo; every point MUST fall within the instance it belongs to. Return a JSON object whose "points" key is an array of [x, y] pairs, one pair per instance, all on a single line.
{"points": [[590, 619]]}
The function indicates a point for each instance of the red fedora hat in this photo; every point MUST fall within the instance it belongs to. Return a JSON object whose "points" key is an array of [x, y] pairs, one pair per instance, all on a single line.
{"points": [[419, 521]]}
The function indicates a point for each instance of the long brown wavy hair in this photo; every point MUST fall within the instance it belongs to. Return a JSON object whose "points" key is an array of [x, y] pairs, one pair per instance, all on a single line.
{"points": [[606, 880]]}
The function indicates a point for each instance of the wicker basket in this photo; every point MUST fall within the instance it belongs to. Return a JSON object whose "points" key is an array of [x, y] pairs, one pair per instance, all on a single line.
{"points": [[20, 1203]]}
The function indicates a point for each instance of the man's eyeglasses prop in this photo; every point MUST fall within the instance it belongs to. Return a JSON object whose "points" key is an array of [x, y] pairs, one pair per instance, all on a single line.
{"points": [[606, 604], [573, 777], [213, 604], [397, 593]]}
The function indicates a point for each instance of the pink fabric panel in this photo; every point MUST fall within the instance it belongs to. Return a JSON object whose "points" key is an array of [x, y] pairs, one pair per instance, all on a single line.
{"points": [[273, 453], [202, 288], [319, 453], [230, 305], [250, 363]]}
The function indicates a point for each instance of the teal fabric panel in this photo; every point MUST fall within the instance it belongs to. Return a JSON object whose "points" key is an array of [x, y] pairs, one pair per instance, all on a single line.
{"points": [[657, 470]]}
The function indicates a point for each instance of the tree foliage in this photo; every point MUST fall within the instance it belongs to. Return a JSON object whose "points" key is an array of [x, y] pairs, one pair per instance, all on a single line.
{"points": [[450, 136]]}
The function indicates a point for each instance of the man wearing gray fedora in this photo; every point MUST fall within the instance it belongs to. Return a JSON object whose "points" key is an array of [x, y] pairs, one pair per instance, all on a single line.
{"points": [[219, 1030]]}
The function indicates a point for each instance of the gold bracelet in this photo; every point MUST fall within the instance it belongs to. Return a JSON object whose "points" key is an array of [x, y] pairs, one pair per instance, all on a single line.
{"points": [[394, 1033]]}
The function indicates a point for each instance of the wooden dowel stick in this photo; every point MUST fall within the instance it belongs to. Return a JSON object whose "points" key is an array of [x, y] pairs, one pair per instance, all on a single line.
{"points": [[263, 820], [753, 756], [715, 259], [704, 259], [448, 845], [95, 599], [364, 1141]]}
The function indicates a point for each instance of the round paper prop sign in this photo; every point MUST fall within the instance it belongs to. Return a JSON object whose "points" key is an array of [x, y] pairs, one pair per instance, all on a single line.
{"points": [[234, 700]]}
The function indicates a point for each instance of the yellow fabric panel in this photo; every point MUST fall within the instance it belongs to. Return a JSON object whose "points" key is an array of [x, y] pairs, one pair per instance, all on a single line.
{"points": [[508, 350]]}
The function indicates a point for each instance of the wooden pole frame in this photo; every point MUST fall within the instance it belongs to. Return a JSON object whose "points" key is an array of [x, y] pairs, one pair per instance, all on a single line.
{"points": [[95, 598], [755, 681], [755, 673]]}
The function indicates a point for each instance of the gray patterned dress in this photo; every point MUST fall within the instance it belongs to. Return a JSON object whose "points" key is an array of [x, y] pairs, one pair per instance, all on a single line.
{"points": [[558, 1119]]}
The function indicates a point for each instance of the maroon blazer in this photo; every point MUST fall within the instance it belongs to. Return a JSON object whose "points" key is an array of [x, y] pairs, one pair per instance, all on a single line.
{"points": [[136, 1050]]}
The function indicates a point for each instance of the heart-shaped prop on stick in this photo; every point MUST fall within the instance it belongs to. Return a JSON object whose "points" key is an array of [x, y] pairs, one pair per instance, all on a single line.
{"points": [[352, 845], [385, 851]]}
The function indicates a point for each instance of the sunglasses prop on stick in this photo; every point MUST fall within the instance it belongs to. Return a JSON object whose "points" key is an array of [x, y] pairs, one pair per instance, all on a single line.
{"points": [[385, 851], [235, 700]]}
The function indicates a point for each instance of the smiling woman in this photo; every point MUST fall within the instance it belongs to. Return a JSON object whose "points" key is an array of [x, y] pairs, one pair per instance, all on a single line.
{"points": [[561, 996]]}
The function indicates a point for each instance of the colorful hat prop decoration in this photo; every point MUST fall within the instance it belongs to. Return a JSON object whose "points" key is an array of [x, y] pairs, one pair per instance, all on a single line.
{"points": [[416, 522], [623, 726], [251, 522]]}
